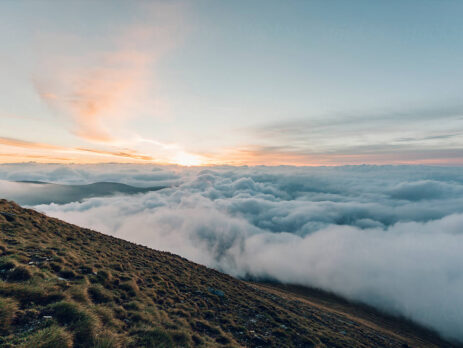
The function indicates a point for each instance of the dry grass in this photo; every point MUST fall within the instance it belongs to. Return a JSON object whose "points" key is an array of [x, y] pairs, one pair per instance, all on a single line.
{"points": [[65, 286]]}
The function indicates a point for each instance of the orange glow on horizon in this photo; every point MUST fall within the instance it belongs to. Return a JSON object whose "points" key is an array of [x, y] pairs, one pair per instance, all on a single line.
{"points": [[16, 150]]}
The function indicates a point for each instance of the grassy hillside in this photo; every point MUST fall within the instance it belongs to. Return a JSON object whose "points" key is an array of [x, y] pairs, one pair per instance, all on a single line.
{"points": [[66, 286]]}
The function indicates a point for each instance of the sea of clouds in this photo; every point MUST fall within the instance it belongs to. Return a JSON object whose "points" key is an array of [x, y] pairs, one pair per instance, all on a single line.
{"points": [[389, 236]]}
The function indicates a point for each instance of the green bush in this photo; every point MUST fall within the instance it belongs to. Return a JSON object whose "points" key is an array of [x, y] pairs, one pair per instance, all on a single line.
{"points": [[50, 337]]}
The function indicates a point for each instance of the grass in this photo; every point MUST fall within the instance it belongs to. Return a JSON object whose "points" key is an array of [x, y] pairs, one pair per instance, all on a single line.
{"points": [[64, 286], [98, 294], [50, 337], [19, 274], [8, 309], [154, 338]]}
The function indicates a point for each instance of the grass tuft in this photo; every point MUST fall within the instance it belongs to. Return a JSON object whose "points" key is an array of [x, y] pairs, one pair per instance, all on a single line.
{"points": [[154, 338], [6, 264], [28, 294], [8, 309], [98, 294], [78, 320], [50, 337], [19, 274]]}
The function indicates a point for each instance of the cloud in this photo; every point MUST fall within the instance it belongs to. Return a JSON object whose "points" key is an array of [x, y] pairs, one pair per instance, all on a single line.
{"points": [[145, 175], [108, 85], [49, 152], [354, 155], [426, 189], [413, 136], [389, 236], [95, 98], [27, 144], [127, 153]]}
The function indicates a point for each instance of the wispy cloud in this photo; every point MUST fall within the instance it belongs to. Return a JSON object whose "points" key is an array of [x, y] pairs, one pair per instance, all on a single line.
{"points": [[27, 144], [104, 89], [384, 154], [127, 153], [48, 152], [96, 99], [430, 136]]}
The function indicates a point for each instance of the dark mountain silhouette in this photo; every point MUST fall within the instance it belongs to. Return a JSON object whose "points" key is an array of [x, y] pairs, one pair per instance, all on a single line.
{"points": [[38, 192]]}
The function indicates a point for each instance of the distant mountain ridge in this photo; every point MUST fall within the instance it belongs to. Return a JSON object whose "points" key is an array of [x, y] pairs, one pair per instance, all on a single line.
{"points": [[37, 192], [66, 286]]}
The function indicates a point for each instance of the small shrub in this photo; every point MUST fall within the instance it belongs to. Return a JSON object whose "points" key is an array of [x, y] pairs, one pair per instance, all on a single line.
{"points": [[8, 308], [19, 274], [50, 337]]}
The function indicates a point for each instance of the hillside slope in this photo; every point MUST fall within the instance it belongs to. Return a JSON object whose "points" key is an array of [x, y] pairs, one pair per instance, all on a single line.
{"points": [[66, 286]]}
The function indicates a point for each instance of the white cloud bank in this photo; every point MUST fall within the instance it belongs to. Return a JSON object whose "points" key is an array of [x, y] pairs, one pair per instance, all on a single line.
{"points": [[389, 236]]}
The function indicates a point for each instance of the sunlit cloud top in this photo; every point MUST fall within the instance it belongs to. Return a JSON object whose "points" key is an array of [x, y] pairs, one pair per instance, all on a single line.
{"points": [[204, 82]]}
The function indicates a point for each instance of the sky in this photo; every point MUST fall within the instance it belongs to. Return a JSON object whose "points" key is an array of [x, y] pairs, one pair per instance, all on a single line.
{"points": [[238, 83]]}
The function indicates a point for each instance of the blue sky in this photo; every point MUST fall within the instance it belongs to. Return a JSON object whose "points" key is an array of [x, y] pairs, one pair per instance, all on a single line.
{"points": [[242, 82]]}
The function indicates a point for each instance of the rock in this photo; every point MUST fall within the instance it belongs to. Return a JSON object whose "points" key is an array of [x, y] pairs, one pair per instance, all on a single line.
{"points": [[217, 292]]}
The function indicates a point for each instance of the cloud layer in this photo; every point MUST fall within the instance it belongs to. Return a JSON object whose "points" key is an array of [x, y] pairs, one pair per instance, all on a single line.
{"points": [[388, 236]]}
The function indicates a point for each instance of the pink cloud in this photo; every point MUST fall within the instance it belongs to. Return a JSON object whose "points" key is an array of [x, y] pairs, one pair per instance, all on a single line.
{"points": [[107, 86]]}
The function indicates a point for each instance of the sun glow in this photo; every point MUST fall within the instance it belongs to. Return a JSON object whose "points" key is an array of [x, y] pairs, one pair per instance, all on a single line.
{"points": [[187, 159]]}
